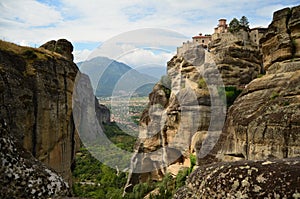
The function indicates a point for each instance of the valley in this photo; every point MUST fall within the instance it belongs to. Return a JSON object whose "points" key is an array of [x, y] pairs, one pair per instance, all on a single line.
{"points": [[125, 111]]}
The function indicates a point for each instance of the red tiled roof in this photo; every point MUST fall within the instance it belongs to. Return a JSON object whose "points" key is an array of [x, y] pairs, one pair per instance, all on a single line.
{"points": [[198, 36]]}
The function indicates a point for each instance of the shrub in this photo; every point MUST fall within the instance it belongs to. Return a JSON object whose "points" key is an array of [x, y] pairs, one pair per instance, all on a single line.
{"points": [[181, 177], [202, 83], [274, 95], [29, 54], [231, 93]]}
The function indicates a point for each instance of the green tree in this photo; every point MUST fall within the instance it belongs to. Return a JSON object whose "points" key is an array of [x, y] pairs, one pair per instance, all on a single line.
{"points": [[234, 25], [244, 23]]}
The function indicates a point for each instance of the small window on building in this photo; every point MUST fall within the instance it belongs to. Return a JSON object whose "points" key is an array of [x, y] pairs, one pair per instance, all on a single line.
{"points": [[196, 39], [203, 41], [255, 35]]}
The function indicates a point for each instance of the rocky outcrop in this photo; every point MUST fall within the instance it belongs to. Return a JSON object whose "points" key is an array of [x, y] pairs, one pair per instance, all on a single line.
{"points": [[61, 46], [244, 179], [23, 176], [294, 30], [237, 58], [36, 102], [262, 125], [183, 109], [264, 121], [281, 42], [102, 113]]}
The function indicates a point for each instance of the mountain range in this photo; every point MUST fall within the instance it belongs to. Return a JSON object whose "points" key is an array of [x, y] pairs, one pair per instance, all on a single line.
{"points": [[112, 78]]}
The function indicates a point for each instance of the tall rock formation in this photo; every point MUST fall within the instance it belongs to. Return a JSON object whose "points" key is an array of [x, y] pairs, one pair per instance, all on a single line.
{"points": [[186, 111], [264, 121], [238, 58], [36, 101], [262, 126]]}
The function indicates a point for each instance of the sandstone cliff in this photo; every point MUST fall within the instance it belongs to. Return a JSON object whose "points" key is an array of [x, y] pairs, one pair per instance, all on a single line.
{"points": [[264, 122], [239, 60], [186, 110], [36, 101], [37, 87]]}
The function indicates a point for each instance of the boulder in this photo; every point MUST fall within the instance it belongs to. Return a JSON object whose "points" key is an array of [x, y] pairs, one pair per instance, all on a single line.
{"points": [[61, 46], [244, 179]]}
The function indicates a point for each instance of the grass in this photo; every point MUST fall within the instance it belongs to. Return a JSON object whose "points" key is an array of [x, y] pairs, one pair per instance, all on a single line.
{"points": [[28, 53], [274, 95], [260, 75], [202, 84]]}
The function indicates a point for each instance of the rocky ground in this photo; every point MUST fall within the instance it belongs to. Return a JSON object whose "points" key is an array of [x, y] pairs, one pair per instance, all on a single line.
{"points": [[244, 179]]}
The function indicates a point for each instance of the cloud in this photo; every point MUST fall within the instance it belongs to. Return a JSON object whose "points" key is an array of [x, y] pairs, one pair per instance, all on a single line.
{"points": [[81, 55], [36, 22], [29, 13], [146, 57], [140, 45]]}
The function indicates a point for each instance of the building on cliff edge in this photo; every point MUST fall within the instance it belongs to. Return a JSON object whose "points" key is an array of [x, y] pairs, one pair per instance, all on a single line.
{"points": [[221, 32]]}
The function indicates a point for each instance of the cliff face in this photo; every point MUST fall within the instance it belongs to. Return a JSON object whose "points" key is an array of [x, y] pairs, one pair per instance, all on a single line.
{"points": [[238, 59], [36, 102], [181, 111], [171, 119], [262, 126], [264, 121]]}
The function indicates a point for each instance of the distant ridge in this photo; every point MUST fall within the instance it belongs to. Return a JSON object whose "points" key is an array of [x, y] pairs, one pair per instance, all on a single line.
{"points": [[110, 77]]}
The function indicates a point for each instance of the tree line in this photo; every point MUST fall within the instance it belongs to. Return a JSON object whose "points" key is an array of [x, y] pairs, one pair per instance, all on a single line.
{"points": [[235, 25]]}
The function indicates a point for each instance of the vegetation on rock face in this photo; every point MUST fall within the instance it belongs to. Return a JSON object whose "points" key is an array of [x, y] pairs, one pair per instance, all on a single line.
{"points": [[202, 84], [118, 137], [231, 93], [29, 54]]}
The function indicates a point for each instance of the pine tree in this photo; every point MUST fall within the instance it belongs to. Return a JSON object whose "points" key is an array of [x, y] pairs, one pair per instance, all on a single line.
{"points": [[244, 23], [234, 25]]}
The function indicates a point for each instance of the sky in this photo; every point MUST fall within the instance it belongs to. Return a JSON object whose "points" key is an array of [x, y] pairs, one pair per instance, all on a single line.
{"points": [[89, 24]]}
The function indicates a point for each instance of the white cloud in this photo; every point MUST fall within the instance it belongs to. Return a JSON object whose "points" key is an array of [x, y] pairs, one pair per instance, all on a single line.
{"points": [[141, 46], [143, 57], [100, 20], [24, 43], [29, 13], [81, 55]]}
